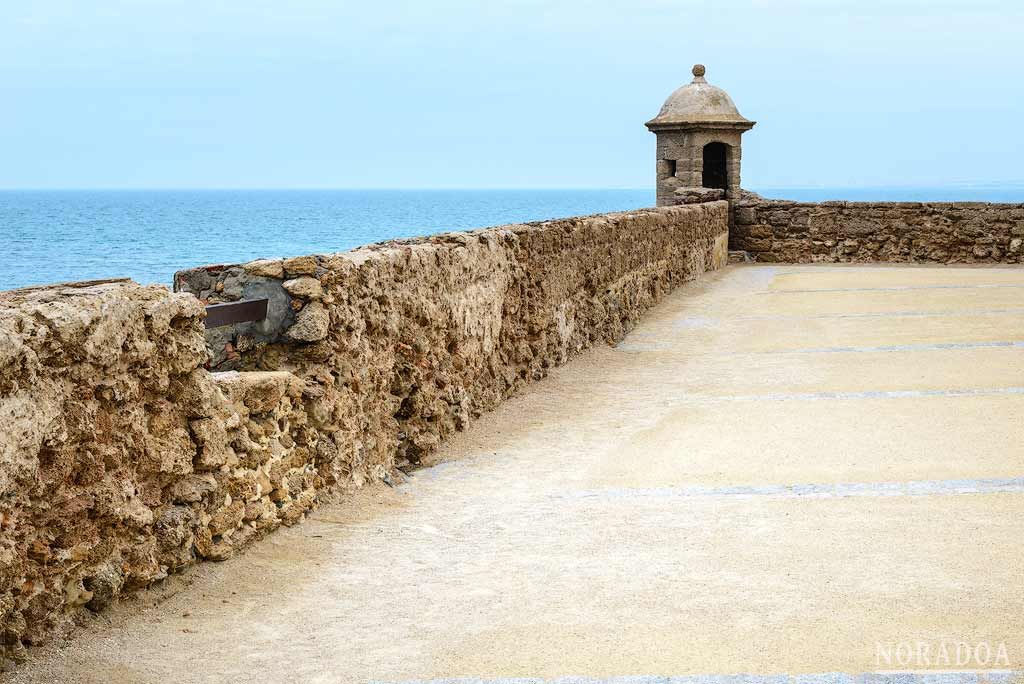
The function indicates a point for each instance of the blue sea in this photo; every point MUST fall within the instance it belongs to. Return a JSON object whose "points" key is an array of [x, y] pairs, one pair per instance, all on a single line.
{"points": [[60, 236]]}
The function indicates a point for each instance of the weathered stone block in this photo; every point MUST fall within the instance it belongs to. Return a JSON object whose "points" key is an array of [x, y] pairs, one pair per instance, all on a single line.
{"points": [[304, 287], [268, 268], [757, 244], [312, 324], [301, 265], [746, 215]]}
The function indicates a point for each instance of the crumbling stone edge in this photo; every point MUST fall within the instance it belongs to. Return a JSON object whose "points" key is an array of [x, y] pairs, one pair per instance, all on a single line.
{"points": [[133, 443]]}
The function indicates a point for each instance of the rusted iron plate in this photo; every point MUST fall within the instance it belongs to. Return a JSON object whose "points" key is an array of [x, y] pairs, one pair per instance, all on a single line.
{"points": [[236, 312]]}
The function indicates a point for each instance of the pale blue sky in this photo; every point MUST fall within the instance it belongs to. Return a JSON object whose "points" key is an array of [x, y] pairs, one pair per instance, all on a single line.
{"points": [[527, 93]]}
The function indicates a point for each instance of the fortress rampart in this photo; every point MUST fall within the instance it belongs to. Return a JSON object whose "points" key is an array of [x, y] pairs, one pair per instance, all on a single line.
{"points": [[136, 441], [939, 232], [123, 458]]}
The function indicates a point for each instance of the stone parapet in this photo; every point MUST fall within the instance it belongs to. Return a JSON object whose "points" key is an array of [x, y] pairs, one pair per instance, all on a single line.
{"points": [[124, 457], [415, 337], [933, 232]]}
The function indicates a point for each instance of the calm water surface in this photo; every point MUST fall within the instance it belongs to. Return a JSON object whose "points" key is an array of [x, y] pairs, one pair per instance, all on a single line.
{"points": [[59, 236], [78, 235]]}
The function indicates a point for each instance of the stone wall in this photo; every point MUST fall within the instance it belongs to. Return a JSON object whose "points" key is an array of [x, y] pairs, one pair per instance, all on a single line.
{"points": [[948, 232], [124, 458], [406, 341], [121, 458]]}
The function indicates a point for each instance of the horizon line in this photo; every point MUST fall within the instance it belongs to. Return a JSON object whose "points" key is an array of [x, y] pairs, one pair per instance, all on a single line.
{"points": [[954, 185], [308, 188]]}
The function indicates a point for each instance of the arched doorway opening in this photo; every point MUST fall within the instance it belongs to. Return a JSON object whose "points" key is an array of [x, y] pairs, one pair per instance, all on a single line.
{"points": [[715, 173]]}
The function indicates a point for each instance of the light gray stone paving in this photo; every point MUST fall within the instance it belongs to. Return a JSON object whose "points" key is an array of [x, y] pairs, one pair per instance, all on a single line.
{"points": [[869, 394], [937, 346], [689, 322], [938, 677], [895, 288], [816, 491]]}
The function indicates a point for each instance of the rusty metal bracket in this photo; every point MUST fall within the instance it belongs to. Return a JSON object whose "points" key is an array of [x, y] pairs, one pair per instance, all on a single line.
{"points": [[236, 312]]}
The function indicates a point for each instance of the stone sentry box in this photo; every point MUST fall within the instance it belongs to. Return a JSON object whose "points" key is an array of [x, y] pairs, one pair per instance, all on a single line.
{"points": [[698, 148]]}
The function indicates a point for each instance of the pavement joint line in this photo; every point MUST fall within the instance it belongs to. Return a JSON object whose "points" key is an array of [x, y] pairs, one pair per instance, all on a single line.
{"points": [[838, 490], [697, 321], [894, 288], [898, 266], [888, 677], [934, 346], [866, 394]]}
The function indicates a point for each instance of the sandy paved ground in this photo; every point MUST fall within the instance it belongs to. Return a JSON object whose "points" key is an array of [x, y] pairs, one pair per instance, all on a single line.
{"points": [[783, 470]]}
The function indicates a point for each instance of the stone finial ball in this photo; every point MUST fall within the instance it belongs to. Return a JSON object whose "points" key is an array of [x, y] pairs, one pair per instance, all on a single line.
{"points": [[698, 70]]}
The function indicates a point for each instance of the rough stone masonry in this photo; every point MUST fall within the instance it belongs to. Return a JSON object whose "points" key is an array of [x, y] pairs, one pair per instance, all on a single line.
{"points": [[935, 232], [123, 458]]}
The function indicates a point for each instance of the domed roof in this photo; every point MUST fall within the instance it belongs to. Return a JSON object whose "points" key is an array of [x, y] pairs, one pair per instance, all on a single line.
{"points": [[699, 102]]}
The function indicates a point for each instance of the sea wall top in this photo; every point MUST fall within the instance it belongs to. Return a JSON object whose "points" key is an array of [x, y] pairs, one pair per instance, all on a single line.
{"points": [[933, 232], [494, 267]]}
